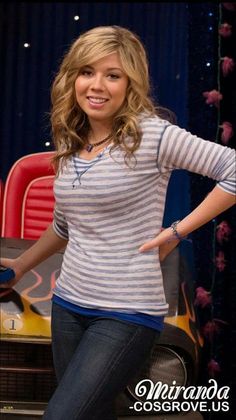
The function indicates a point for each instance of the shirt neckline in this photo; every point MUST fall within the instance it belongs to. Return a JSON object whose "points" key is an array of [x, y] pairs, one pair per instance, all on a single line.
{"points": [[98, 156]]}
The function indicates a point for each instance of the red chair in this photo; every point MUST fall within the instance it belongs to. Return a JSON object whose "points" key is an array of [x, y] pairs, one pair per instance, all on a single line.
{"points": [[28, 197], [1, 200]]}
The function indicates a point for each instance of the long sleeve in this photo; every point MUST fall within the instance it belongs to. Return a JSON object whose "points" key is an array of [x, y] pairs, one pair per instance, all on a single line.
{"points": [[180, 149], [59, 224]]}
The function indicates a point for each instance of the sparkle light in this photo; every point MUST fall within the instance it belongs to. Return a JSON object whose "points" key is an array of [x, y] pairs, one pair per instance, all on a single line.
{"points": [[76, 17], [47, 143], [26, 45]]}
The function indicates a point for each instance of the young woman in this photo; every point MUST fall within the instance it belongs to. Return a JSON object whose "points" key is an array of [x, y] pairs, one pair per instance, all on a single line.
{"points": [[114, 158]]}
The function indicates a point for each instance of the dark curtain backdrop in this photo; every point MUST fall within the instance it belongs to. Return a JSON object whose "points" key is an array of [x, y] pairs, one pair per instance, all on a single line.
{"points": [[207, 46], [26, 74]]}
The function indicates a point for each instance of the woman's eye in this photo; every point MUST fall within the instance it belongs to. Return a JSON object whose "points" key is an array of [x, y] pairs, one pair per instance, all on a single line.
{"points": [[113, 76], [86, 72]]}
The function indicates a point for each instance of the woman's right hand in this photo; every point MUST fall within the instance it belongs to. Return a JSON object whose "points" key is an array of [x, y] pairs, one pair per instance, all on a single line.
{"points": [[14, 264]]}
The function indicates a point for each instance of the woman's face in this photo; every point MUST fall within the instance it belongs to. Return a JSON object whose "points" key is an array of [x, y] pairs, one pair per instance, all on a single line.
{"points": [[101, 88]]}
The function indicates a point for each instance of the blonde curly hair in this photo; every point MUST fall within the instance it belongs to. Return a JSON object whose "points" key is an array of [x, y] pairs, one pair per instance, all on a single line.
{"points": [[69, 123]]}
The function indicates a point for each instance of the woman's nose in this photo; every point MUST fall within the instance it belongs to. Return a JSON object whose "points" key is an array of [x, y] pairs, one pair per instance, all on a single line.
{"points": [[97, 82]]}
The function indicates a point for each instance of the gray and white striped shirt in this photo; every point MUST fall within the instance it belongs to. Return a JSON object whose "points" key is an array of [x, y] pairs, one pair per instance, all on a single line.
{"points": [[110, 209]]}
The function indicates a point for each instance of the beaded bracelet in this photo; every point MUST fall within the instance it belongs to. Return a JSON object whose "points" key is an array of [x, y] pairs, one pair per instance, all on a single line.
{"points": [[175, 232]]}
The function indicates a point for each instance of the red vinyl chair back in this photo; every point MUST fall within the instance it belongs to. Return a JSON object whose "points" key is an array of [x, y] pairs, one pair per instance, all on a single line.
{"points": [[1, 200], [28, 197]]}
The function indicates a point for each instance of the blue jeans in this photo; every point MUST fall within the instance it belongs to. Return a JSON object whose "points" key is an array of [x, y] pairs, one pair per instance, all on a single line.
{"points": [[94, 359]]}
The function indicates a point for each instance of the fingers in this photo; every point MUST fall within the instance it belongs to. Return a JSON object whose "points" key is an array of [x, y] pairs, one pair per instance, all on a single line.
{"points": [[164, 237], [6, 262], [154, 243]]}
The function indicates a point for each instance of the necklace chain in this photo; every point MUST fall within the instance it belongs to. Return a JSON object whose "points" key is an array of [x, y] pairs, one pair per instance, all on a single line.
{"points": [[89, 147]]}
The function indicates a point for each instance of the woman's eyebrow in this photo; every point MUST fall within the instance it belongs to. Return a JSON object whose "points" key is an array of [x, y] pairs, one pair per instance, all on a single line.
{"points": [[107, 69]]}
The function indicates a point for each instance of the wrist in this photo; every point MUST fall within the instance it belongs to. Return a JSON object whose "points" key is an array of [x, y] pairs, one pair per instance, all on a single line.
{"points": [[19, 266], [175, 231]]}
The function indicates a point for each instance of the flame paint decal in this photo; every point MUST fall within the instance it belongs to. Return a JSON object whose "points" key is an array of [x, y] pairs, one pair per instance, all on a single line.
{"points": [[24, 315], [186, 319]]}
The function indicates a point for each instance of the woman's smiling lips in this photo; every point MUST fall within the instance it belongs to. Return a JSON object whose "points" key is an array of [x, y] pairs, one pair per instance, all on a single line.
{"points": [[96, 102]]}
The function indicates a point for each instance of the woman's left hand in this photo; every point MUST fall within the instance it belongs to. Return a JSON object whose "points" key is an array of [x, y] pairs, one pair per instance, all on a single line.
{"points": [[165, 249], [164, 241]]}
